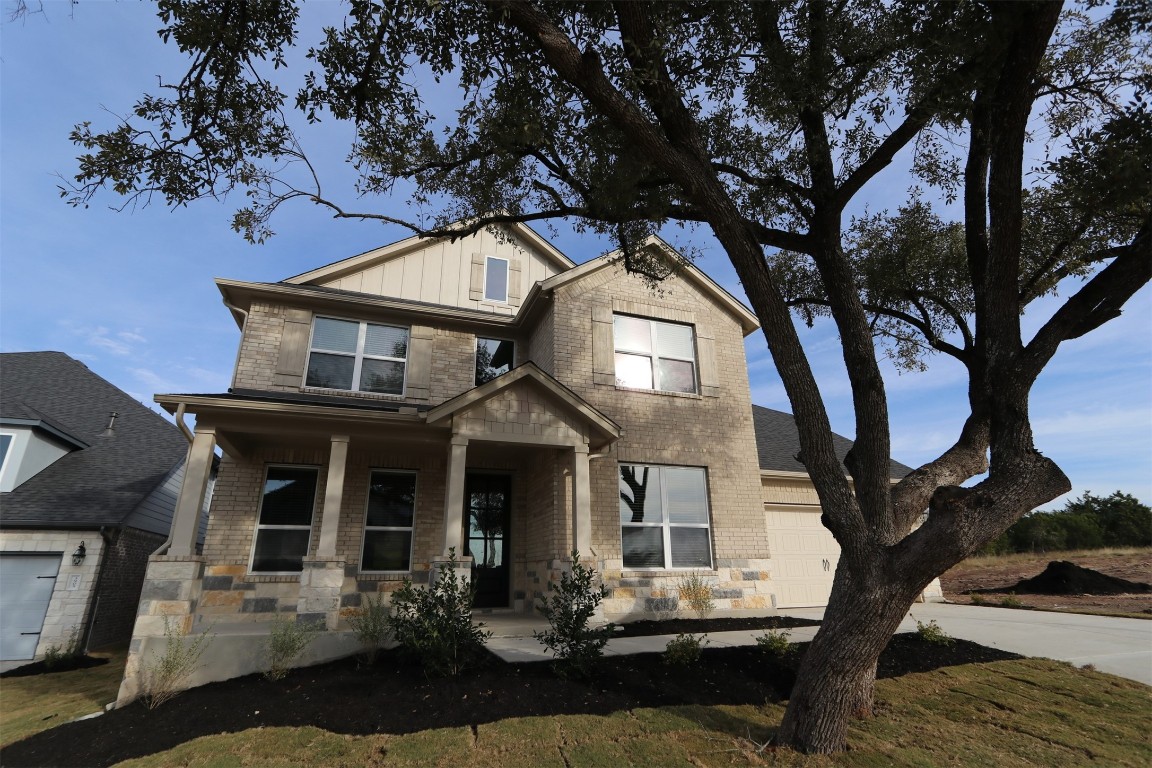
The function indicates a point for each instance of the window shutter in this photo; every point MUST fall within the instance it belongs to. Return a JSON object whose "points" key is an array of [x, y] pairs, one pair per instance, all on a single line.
{"points": [[706, 349], [293, 348], [514, 292], [476, 284], [419, 362], [603, 346]]}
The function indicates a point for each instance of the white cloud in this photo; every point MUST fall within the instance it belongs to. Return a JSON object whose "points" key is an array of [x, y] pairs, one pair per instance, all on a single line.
{"points": [[132, 336]]}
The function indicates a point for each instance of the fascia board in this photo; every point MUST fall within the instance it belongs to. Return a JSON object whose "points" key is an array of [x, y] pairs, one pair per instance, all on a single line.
{"points": [[196, 405], [47, 428]]}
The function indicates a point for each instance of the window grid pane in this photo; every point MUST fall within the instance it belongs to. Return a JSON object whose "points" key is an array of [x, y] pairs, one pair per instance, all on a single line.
{"points": [[664, 517], [496, 279], [335, 335], [386, 341], [633, 371]]}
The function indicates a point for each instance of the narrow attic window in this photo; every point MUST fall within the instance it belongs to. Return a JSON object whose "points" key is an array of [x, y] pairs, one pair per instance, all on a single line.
{"points": [[495, 279]]}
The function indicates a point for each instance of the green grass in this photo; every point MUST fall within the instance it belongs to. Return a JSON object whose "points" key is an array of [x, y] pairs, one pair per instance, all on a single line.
{"points": [[1013, 713], [29, 705]]}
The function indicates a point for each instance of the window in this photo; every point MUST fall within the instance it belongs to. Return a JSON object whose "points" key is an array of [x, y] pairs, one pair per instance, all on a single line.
{"points": [[5, 443], [664, 517], [495, 279], [654, 355], [360, 357], [388, 522], [284, 527], [493, 357]]}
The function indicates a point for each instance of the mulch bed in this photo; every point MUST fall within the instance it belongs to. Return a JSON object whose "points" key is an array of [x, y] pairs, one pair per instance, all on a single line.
{"points": [[64, 665], [395, 696], [701, 626], [1064, 578]]}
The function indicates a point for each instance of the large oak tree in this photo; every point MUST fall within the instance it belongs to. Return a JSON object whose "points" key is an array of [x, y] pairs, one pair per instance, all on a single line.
{"points": [[764, 122]]}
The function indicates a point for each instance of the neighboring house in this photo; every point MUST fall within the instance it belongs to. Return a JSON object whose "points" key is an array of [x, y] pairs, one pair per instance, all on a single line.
{"points": [[485, 397], [88, 480]]}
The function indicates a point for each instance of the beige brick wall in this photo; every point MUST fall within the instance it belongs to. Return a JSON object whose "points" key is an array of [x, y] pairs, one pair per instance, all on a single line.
{"points": [[260, 348], [777, 490]]}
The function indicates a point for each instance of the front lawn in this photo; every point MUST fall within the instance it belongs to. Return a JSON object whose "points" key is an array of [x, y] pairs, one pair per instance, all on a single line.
{"points": [[29, 705]]}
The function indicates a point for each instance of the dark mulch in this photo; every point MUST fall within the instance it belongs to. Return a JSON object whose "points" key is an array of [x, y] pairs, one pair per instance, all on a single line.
{"points": [[395, 696], [1064, 578], [703, 626], [64, 665]]}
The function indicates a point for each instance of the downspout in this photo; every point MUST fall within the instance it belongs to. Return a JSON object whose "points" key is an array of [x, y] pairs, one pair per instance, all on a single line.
{"points": [[239, 347], [90, 619], [179, 416]]}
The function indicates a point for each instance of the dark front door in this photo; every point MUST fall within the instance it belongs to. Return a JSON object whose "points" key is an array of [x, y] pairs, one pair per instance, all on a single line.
{"points": [[488, 499]]}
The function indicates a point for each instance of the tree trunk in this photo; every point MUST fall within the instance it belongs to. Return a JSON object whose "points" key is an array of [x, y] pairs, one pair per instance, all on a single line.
{"points": [[836, 678]]}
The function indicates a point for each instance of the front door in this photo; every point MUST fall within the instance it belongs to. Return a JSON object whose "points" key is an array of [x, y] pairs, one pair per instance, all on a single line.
{"points": [[488, 499]]}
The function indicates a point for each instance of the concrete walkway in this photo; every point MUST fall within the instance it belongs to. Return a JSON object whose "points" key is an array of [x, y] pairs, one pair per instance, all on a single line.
{"points": [[1118, 646]]}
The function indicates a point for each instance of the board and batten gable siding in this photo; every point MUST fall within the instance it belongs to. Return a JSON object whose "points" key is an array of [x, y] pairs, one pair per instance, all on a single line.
{"points": [[452, 273]]}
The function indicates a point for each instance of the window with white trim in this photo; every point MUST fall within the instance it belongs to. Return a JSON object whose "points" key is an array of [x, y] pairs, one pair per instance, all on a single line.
{"points": [[284, 522], [664, 520], [357, 356], [388, 520], [495, 279], [652, 354]]}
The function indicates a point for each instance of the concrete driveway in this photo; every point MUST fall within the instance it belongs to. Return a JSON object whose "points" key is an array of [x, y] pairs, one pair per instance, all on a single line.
{"points": [[1118, 646]]}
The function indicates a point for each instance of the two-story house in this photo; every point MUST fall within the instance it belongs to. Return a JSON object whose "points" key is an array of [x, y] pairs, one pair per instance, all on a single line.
{"points": [[487, 397]]}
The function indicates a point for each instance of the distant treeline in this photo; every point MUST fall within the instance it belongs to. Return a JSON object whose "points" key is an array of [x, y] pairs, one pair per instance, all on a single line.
{"points": [[1089, 522]]}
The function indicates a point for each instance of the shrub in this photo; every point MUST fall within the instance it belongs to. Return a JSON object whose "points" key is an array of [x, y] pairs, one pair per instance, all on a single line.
{"points": [[774, 642], [163, 674], [684, 650], [435, 623], [286, 641], [1011, 601], [57, 655], [931, 633], [573, 602], [979, 600], [697, 592], [371, 625]]}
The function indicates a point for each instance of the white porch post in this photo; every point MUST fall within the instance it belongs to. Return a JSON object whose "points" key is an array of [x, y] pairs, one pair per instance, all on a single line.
{"points": [[581, 502], [197, 471], [454, 497], [333, 497]]}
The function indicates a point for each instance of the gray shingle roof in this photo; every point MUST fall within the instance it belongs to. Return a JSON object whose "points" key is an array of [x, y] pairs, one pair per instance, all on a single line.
{"points": [[778, 442], [101, 484]]}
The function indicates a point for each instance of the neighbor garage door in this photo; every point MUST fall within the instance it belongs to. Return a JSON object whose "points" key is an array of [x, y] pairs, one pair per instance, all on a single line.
{"points": [[804, 556], [26, 583]]}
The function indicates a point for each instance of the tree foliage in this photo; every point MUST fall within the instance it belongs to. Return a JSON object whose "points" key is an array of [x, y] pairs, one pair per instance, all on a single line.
{"points": [[1089, 522], [1027, 131]]}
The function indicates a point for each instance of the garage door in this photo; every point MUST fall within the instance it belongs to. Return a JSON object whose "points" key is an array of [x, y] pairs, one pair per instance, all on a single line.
{"points": [[26, 583], [804, 556]]}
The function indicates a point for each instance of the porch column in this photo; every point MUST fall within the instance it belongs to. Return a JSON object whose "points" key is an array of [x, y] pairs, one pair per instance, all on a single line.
{"points": [[581, 502], [333, 497], [454, 497], [197, 471]]}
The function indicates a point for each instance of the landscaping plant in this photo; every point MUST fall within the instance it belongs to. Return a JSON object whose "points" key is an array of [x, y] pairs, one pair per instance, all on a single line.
{"points": [[684, 650], [931, 633], [286, 641], [59, 655], [697, 592], [163, 674], [572, 604], [371, 625], [774, 642], [435, 622]]}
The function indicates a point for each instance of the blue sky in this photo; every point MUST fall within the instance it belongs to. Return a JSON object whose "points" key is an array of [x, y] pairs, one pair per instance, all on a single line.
{"points": [[131, 293]]}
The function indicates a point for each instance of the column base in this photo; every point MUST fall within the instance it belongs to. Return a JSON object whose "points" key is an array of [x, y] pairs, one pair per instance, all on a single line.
{"points": [[321, 584]]}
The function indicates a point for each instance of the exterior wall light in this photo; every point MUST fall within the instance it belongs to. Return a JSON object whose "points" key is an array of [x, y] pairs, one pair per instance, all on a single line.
{"points": [[78, 555]]}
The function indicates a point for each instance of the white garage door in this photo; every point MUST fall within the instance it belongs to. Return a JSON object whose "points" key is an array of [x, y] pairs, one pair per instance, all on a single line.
{"points": [[804, 556], [26, 583]]}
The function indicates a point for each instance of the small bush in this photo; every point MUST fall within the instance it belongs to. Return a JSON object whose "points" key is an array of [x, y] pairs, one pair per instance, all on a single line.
{"points": [[371, 625], [697, 592], [163, 674], [684, 650], [979, 600], [775, 642], [573, 602], [435, 622], [57, 655], [286, 641], [931, 633], [1011, 601]]}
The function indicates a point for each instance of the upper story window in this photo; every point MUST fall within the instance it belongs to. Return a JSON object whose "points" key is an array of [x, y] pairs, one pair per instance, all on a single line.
{"points": [[652, 354], [493, 358], [495, 279], [357, 356], [284, 524]]}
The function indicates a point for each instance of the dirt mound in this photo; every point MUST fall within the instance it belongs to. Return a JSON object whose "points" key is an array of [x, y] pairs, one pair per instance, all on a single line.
{"points": [[1064, 578]]}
